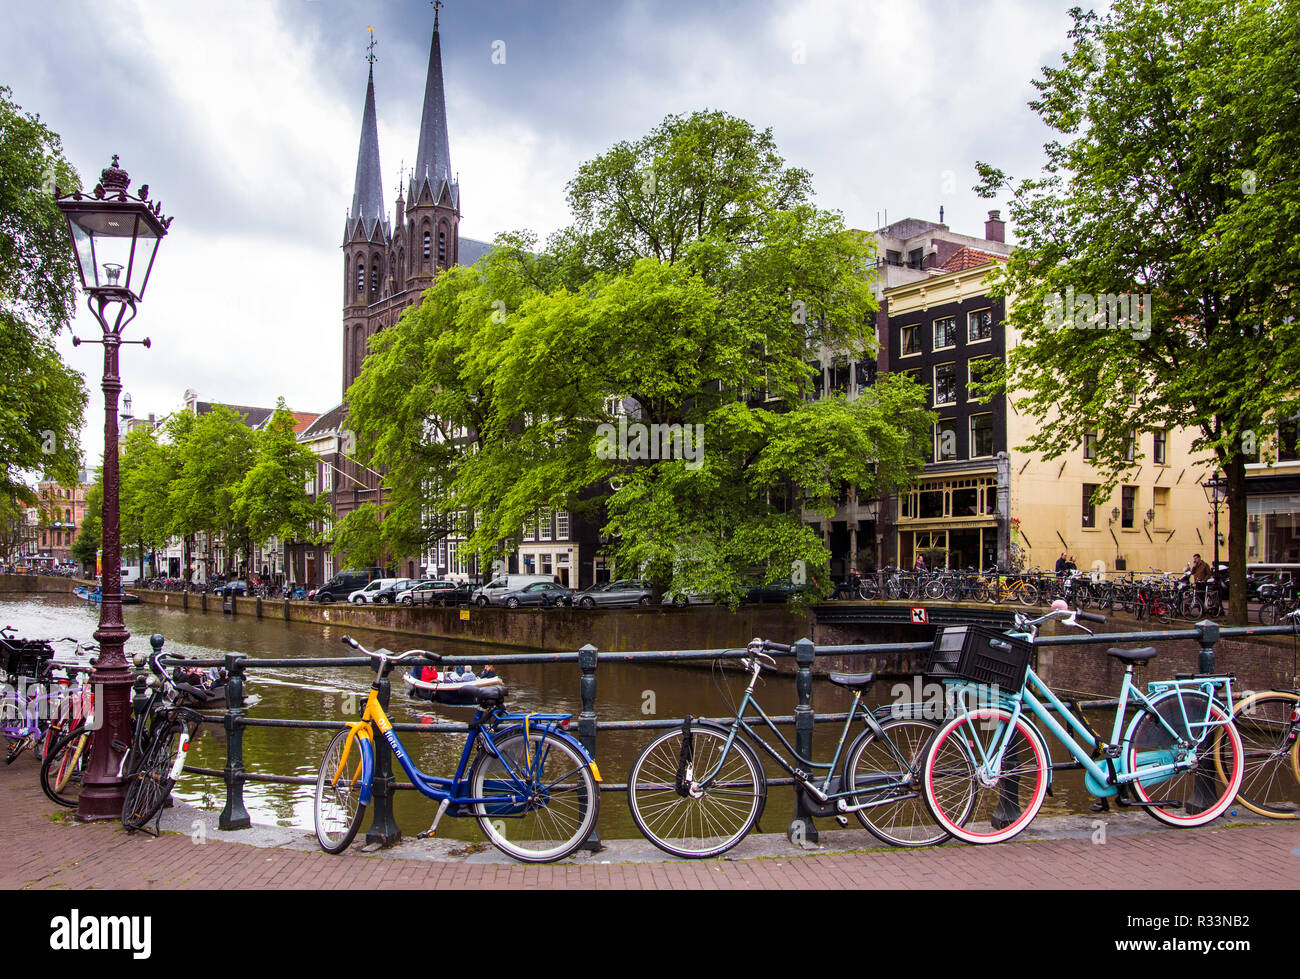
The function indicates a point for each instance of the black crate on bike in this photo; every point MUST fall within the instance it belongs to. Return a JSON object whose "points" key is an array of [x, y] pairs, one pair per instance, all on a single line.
{"points": [[24, 657], [981, 655]]}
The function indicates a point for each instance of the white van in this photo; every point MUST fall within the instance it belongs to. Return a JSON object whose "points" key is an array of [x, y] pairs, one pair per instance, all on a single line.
{"points": [[492, 592], [366, 595]]}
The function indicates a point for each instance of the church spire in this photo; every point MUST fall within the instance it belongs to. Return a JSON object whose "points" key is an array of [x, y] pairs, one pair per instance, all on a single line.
{"points": [[368, 195], [433, 154]]}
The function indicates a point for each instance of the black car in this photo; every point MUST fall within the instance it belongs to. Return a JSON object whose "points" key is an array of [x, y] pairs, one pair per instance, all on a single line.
{"points": [[437, 593], [389, 595], [237, 588], [343, 584], [780, 591]]}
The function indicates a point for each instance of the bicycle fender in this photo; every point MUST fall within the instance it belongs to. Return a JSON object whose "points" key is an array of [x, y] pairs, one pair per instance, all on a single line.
{"points": [[559, 734], [367, 749]]}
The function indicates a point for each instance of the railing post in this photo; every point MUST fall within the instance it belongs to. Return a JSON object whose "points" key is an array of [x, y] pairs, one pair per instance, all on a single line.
{"points": [[1207, 634], [801, 829], [587, 657], [234, 815], [383, 825]]}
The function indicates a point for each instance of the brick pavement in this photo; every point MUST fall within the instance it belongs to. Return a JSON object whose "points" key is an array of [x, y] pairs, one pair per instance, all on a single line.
{"points": [[44, 848]]}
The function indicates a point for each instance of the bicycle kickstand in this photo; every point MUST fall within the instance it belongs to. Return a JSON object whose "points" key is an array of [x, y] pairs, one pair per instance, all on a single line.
{"points": [[433, 830]]}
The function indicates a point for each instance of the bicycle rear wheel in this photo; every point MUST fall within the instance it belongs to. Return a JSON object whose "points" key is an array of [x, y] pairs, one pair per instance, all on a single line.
{"points": [[1189, 796], [147, 790], [63, 766], [888, 772], [967, 798], [338, 807], [685, 820], [1270, 738], [545, 801]]}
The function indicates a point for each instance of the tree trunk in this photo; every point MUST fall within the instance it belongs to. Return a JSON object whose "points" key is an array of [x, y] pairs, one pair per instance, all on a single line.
{"points": [[1235, 470]]}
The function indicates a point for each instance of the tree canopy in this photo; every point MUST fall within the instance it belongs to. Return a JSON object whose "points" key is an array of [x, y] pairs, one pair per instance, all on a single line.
{"points": [[646, 370], [42, 400], [1173, 180]]}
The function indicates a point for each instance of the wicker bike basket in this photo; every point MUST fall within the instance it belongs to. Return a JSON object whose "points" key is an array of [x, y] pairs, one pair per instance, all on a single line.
{"points": [[980, 654], [24, 657]]}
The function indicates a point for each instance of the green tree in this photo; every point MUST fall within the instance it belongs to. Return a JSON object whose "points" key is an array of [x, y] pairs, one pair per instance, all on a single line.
{"points": [[272, 500], [212, 455], [1174, 176], [42, 400], [359, 540], [144, 502], [695, 284]]}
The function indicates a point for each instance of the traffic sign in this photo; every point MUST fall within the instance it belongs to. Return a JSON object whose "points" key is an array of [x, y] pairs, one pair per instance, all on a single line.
{"points": [[920, 617]]}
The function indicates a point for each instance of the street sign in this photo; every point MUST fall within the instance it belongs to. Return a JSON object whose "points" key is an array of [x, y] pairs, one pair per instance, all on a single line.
{"points": [[920, 617]]}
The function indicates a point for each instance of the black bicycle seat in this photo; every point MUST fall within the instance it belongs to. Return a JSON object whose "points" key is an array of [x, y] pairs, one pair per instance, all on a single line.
{"points": [[1143, 655]]}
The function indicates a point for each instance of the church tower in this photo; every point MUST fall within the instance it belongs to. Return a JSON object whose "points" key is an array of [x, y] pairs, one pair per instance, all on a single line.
{"points": [[431, 217], [366, 239]]}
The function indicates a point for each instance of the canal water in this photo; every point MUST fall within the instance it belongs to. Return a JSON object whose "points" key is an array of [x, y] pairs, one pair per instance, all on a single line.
{"points": [[624, 692]]}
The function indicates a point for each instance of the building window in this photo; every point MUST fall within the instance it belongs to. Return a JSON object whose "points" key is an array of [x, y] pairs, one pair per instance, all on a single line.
{"points": [[1090, 444], [1160, 506], [945, 384], [1089, 508], [978, 370], [1158, 446], [1128, 506], [981, 436], [865, 371], [945, 332], [530, 527], [979, 325], [910, 337], [1287, 434], [442, 248], [426, 246], [361, 276], [545, 525], [374, 276], [945, 440], [561, 524], [1130, 445]]}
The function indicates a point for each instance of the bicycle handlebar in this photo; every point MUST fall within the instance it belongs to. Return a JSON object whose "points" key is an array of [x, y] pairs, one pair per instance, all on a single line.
{"points": [[385, 654]]}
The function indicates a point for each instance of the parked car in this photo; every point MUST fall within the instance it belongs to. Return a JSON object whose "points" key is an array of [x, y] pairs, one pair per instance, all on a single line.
{"points": [[388, 594], [625, 591], [680, 599], [780, 591], [343, 584], [494, 592], [547, 594], [436, 593], [239, 588], [366, 595]]}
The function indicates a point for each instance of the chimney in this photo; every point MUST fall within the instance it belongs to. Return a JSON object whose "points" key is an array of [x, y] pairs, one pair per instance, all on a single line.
{"points": [[995, 229]]}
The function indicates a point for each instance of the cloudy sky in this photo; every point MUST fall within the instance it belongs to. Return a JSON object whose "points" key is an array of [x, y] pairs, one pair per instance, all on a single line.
{"points": [[243, 116]]}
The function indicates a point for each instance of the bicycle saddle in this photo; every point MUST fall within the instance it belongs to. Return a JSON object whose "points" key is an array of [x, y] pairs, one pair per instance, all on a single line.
{"points": [[853, 681], [1143, 655]]}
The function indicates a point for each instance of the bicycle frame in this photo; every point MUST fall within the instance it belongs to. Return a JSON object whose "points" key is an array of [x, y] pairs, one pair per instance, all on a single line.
{"points": [[823, 791], [1099, 779], [452, 791]]}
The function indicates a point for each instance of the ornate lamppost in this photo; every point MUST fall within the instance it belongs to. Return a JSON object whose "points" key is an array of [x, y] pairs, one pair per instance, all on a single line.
{"points": [[1216, 491], [115, 240]]}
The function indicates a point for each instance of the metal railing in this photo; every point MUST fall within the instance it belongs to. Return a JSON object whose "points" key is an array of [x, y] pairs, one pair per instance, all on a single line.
{"points": [[384, 830]]}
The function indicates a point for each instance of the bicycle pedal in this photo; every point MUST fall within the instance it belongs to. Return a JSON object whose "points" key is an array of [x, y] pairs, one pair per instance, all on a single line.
{"points": [[842, 820]]}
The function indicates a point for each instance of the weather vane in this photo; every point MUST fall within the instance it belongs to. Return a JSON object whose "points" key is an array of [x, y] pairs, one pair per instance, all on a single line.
{"points": [[436, 5], [370, 48]]}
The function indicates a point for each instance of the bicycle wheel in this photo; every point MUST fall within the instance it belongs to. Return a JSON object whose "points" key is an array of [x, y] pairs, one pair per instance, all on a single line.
{"points": [[1028, 594], [62, 768], [338, 806], [965, 797], [545, 799], [934, 590], [1268, 613], [888, 771], [869, 589], [148, 788], [1270, 784], [688, 821], [1195, 795]]}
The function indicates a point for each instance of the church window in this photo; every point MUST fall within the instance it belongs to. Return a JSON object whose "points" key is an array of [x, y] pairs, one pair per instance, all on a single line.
{"points": [[426, 246], [361, 275], [442, 248], [374, 276]]}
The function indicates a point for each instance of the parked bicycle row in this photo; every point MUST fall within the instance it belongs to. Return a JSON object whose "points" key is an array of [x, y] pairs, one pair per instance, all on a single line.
{"points": [[1154, 595], [1182, 749]]}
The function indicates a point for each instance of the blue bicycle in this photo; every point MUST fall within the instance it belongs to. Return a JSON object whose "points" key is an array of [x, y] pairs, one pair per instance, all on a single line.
{"points": [[531, 786]]}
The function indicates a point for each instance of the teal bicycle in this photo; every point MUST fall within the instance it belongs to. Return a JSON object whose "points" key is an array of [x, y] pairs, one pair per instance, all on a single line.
{"points": [[987, 771]]}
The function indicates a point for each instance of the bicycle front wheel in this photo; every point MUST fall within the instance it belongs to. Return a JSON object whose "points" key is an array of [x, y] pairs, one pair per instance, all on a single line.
{"points": [[338, 806], [543, 799], [62, 768], [147, 791], [1210, 759], [1270, 739], [687, 820], [970, 797], [886, 772]]}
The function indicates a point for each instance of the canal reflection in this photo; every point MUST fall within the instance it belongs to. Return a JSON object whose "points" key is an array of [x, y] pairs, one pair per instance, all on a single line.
{"points": [[624, 692]]}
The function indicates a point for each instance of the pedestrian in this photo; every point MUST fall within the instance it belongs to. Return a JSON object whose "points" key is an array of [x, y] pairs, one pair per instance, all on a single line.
{"points": [[1200, 575], [1071, 565], [920, 566], [1062, 563]]}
